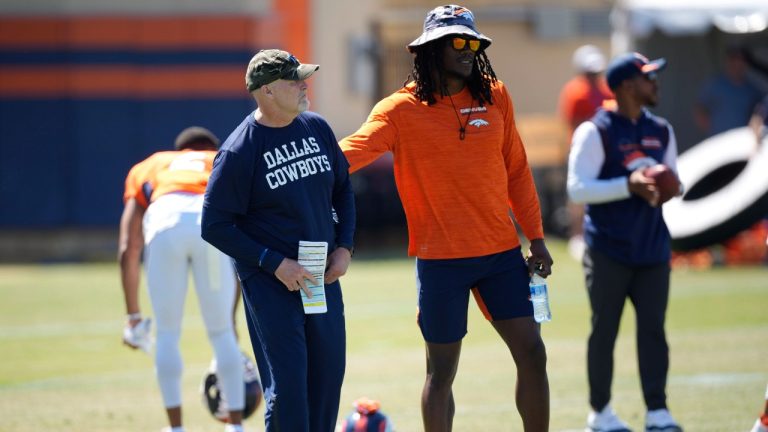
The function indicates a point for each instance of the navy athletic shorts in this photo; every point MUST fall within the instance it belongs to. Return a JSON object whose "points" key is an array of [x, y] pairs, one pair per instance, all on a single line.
{"points": [[499, 283]]}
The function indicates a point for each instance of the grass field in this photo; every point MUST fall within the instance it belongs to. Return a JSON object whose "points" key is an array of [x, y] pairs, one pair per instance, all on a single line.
{"points": [[63, 366]]}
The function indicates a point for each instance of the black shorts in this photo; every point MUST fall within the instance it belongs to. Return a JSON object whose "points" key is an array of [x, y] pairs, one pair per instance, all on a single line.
{"points": [[499, 283]]}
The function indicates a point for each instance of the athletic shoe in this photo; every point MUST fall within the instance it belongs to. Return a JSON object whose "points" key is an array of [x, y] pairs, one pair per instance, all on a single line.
{"points": [[233, 428], [661, 420], [759, 427], [605, 421]]}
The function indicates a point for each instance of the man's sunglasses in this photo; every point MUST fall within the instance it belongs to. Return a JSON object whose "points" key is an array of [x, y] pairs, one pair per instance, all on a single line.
{"points": [[460, 44]]}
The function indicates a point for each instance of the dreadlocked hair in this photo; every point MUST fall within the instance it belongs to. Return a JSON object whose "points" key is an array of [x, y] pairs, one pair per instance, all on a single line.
{"points": [[425, 68]]}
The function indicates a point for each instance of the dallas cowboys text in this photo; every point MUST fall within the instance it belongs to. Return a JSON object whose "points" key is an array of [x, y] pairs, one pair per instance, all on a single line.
{"points": [[283, 171]]}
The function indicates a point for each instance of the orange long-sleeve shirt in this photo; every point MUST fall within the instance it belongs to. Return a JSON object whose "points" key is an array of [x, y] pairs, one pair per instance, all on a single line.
{"points": [[580, 99], [456, 193], [169, 171]]}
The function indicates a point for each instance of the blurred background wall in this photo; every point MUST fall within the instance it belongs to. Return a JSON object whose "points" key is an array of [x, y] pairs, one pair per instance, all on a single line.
{"points": [[90, 87]]}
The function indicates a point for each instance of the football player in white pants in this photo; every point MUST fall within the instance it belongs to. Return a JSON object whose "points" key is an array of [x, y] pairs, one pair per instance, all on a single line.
{"points": [[163, 204]]}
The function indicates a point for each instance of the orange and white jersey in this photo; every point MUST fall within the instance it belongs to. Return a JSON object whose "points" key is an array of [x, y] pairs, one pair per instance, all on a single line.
{"points": [[169, 171]]}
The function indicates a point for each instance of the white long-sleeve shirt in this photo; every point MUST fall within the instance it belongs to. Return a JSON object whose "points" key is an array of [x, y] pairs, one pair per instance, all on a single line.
{"points": [[586, 160]]}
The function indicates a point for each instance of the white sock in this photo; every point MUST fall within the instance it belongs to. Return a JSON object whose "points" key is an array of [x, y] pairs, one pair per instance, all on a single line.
{"points": [[233, 428]]}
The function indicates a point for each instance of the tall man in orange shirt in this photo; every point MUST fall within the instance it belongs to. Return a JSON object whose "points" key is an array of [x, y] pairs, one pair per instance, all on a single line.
{"points": [[163, 206], [460, 167]]}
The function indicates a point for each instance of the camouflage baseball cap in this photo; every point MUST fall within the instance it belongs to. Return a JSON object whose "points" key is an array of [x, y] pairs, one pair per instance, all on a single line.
{"points": [[274, 64]]}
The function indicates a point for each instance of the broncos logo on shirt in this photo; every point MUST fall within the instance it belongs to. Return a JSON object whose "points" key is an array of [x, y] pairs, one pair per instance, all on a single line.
{"points": [[479, 122]]}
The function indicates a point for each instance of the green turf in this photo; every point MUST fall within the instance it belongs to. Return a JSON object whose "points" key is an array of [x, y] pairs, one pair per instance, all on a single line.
{"points": [[64, 367]]}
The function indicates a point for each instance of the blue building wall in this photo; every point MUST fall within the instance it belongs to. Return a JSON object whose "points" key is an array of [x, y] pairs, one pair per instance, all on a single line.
{"points": [[63, 162], [67, 142]]}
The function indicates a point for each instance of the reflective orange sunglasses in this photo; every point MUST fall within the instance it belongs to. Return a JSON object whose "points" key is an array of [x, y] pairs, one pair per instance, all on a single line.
{"points": [[460, 43]]}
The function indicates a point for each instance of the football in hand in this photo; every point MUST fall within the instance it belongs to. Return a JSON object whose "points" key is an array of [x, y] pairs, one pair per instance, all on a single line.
{"points": [[666, 181]]}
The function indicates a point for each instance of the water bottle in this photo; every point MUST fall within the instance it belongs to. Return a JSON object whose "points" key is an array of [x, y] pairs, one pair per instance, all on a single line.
{"points": [[539, 298]]}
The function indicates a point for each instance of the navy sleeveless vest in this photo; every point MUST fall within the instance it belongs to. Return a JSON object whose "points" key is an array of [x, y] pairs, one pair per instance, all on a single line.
{"points": [[629, 230]]}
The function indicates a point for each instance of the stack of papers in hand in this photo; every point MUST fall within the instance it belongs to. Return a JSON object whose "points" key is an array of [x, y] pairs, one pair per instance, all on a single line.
{"points": [[313, 256]]}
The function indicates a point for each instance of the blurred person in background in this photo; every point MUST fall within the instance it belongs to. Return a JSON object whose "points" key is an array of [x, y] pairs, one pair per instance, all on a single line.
{"points": [[583, 94], [759, 120], [278, 179], [761, 424], [163, 204], [727, 101], [627, 242], [460, 166], [747, 247], [759, 124], [580, 98]]}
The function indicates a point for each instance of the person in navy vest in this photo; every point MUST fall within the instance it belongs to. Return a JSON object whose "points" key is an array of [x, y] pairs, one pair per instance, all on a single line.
{"points": [[627, 242], [278, 180]]}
